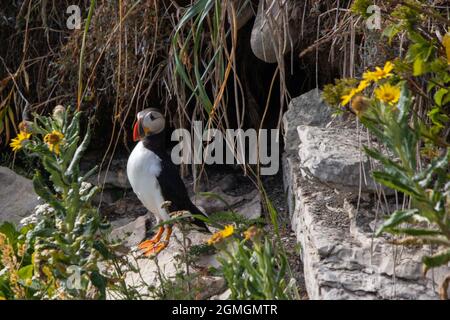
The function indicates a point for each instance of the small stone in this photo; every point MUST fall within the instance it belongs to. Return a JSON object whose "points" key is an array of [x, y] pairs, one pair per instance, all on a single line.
{"points": [[223, 296], [17, 196], [275, 25], [210, 286], [132, 233]]}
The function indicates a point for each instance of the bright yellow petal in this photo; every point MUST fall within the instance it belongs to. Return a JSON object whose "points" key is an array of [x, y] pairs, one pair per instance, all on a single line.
{"points": [[18, 142], [227, 231], [369, 76], [362, 85], [388, 67], [388, 94], [345, 99]]}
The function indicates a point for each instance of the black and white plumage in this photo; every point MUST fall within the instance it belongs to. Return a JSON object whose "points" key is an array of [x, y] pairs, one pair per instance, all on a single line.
{"points": [[152, 174]]}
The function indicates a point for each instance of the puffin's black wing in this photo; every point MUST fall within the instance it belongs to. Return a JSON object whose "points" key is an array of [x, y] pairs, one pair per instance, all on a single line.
{"points": [[174, 190]]}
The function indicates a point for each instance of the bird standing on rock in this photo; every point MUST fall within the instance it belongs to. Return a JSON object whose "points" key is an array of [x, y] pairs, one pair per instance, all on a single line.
{"points": [[155, 179]]}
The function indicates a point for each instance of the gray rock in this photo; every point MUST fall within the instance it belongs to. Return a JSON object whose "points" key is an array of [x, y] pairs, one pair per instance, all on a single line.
{"points": [[248, 205], [166, 262], [131, 234], [308, 109], [210, 286], [244, 12], [335, 157], [17, 196], [252, 209], [341, 258], [223, 296], [275, 29], [115, 176]]}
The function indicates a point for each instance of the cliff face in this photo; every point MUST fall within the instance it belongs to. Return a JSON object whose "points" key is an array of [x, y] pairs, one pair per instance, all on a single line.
{"points": [[334, 213]]}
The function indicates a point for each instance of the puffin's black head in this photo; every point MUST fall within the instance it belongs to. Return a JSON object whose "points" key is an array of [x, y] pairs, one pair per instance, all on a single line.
{"points": [[149, 122]]}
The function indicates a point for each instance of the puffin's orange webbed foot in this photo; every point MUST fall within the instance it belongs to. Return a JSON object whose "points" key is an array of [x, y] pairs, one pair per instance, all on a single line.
{"points": [[149, 244], [159, 246]]}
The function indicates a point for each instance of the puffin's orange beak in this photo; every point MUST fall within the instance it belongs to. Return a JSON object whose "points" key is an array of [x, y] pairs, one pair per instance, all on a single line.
{"points": [[136, 135]]}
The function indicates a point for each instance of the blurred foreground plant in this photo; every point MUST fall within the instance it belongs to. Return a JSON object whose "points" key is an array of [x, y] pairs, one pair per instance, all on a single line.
{"points": [[62, 243], [253, 267]]}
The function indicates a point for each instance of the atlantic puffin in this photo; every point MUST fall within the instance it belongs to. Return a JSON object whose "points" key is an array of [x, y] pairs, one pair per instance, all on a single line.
{"points": [[155, 178]]}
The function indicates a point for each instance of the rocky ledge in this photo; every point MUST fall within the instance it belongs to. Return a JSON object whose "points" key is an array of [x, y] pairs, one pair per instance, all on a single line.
{"points": [[334, 213]]}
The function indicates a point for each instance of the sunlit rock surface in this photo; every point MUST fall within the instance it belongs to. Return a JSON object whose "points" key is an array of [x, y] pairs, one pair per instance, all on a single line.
{"points": [[17, 197], [342, 259]]}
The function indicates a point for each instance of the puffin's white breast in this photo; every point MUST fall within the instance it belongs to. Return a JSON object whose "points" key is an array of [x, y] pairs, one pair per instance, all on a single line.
{"points": [[143, 168]]}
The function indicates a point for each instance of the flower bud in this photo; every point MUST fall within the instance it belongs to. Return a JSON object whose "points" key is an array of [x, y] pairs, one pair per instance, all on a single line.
{"points": [[58, 114]]}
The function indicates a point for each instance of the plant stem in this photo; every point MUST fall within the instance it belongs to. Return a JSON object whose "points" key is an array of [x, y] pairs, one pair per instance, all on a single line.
{"points": [[83, 49]]}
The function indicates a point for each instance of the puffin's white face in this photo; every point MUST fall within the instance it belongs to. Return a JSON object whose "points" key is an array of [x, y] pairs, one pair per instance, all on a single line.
{"points": [[149, 122]]}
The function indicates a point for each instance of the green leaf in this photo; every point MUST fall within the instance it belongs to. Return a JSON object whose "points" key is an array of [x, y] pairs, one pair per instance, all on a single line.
{"points": [[391, 31], [394, 183], [439, 95], [44, 192], [103, 250], [9, 230], [418, 67], [26, 272], [396, 218], [55, 172], [437, 260], [100, 282], [79, 152]]}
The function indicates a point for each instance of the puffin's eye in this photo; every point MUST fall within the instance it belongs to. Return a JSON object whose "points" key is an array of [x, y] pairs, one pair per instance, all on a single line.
{"points": [[151, 116]]}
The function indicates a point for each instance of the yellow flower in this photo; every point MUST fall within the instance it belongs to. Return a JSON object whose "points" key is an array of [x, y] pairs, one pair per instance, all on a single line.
{"points": [[362, 85], [345, 99], [53, 140], [388, 94], [252, 233], [220, 235], [21, 139], [379, 73], [228, 231]]}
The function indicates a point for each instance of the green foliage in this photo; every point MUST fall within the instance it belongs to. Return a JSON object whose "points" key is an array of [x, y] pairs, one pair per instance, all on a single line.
{"points": [[64, 235], [360, 7], [332, 93], [256, 269], [405, 127], [428, 222], [197, 67]]}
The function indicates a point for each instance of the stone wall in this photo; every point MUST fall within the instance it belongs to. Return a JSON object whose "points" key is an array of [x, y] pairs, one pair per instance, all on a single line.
{"points": [[334, 212]]}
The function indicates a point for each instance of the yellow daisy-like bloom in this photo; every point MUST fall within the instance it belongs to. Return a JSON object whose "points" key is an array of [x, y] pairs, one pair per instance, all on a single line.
{"points": [[379, 73], [220, 235], [345, 99], [362, 85], [54, 140], [388, 94], [21, 139]]}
